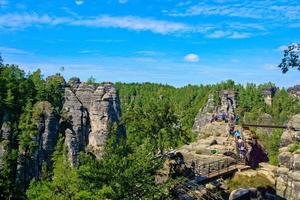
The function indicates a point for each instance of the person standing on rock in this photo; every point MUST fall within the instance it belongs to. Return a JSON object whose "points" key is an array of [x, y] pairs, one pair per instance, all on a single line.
{"points": [[241, 147], [223, 116]]}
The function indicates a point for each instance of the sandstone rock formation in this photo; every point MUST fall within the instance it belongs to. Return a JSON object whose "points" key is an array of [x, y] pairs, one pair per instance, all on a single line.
{"points": [[268, 95], [47, 124], [89, 114], [228, 106], [204, 115], [288, 173], [5, 140], [295, 91]]}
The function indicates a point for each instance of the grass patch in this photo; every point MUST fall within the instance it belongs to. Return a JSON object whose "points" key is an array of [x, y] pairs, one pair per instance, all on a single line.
{"points": [[243, 181]]}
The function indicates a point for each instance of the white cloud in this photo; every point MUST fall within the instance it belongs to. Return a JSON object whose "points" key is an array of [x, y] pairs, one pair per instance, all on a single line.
{"points": [[79, 2], [20, 21], [16, 21], [123, 1], [134, 23], [276, 10], [218, 34], [228, 34], [191, 57]]}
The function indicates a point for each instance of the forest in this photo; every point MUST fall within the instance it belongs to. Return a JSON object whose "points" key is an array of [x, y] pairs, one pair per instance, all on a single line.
{"points": [[156, 116]]}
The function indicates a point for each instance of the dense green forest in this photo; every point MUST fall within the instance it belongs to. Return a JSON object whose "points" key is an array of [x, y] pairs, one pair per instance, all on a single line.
{"points": [[155, 116]]}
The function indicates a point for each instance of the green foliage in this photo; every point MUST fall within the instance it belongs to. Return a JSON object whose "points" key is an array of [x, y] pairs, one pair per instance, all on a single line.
{"points": [[244, 181], [156, 117], [290, 58], [91, 81], [293, 147], [271, 142]]}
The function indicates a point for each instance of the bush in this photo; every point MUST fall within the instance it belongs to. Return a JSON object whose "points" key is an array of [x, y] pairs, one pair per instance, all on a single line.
{"points": [[293, 147]]}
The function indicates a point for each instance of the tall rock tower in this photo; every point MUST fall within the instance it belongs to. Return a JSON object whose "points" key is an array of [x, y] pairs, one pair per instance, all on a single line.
{"points": [[89, 112]]}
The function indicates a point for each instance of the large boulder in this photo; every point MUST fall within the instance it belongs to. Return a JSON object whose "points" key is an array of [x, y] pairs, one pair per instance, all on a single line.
{"points": [[294, 122], [285, 159]]}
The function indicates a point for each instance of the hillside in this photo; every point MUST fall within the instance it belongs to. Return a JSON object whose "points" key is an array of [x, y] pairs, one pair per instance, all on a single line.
{"points": [[66, 139]]}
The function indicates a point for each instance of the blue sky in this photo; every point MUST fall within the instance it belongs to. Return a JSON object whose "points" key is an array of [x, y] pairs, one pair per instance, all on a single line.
{"points": [[165, 41]]}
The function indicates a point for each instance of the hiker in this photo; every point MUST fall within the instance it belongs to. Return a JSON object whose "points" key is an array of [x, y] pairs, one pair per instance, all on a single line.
{"points": [[212, 118], [230, 129], [241, 147], [216, 118], [237, 134], [193, 165], [237, 119], [223, 116]]}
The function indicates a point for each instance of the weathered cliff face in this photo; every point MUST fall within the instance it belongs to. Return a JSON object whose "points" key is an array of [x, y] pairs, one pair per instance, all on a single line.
{"points": [[89, 113], [47, 124], [288, 173], [104, 111], [204, 115], [5, 140], [228, 106]]}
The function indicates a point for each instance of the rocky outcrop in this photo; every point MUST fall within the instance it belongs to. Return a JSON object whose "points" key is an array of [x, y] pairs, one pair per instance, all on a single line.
{"points": [[205, 114], [5, 140], [89, 113], [288, 173], [104, 111], [76, 124], [295, 91], [264, 119], [47, 124]]}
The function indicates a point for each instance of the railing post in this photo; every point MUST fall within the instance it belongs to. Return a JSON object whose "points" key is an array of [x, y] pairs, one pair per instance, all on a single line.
{"points": [[218, 167]]}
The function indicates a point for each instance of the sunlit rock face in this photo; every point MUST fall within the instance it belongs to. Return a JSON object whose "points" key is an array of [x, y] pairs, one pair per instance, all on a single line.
{"points": [[89, 112], [227, 105], [288, 173], [295, 91]]}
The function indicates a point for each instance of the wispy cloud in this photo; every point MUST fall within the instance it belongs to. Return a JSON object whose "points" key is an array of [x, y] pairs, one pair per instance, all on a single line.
{"points": [[268, 9], [17, 21], [9, 50], [134, 23], [149, 53], [20, 21]]}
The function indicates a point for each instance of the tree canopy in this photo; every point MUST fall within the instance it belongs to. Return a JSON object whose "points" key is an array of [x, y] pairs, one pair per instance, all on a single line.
{"points": [[290, 58]]}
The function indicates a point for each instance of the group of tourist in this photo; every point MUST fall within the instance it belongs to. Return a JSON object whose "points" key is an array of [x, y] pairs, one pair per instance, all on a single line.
{"points": [[232, 117]]}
